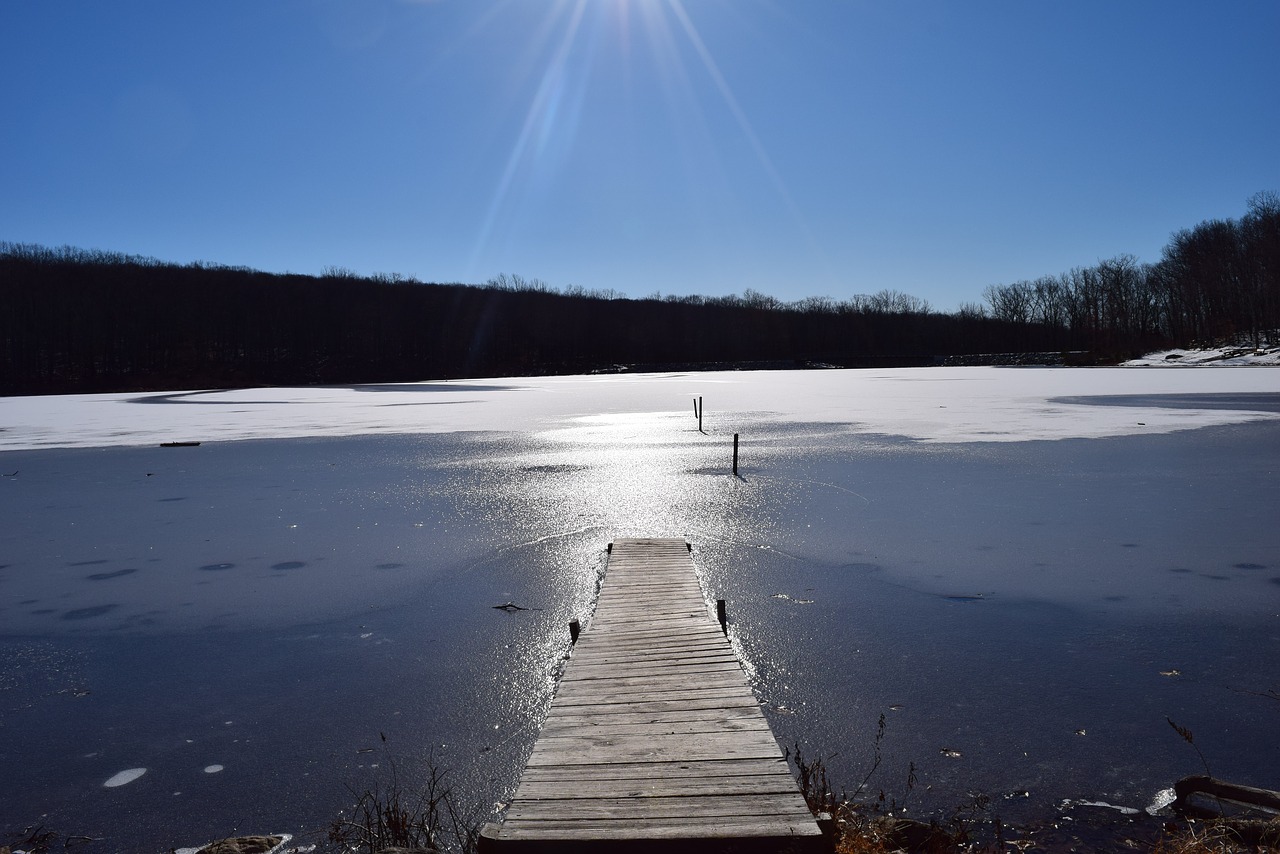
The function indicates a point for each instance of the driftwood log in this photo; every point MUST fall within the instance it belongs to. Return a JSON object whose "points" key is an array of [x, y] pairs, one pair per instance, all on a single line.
{"points": [[1245, 829], [1211, 787]]}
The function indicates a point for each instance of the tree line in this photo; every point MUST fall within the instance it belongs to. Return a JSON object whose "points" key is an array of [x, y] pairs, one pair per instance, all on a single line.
{"points": [[1218, 280], [75, 320]]}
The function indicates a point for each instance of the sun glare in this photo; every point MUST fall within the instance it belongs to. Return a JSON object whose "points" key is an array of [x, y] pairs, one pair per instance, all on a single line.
{"points": [[648, 44]]}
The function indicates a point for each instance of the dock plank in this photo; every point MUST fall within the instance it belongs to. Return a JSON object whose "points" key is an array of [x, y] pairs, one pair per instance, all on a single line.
{"points": [[654, 735], [715, 769], [651, 788]]}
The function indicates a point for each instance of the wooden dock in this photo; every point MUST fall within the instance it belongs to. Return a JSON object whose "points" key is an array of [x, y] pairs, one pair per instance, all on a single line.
{"points": [[654, 737]]}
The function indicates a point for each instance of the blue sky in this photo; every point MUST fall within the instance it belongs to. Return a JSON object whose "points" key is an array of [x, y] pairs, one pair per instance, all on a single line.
{"points": [[805, 147]]}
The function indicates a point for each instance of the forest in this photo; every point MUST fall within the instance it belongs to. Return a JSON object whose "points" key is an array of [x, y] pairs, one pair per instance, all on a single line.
{"points": [[1219, 280], [75, 320]]}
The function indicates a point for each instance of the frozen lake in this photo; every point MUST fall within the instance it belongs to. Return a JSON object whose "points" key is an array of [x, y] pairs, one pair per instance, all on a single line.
{"points": [[1025, 570]]}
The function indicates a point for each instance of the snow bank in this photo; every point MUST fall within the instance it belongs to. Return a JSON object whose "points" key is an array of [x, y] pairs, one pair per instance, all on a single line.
{"points": [[1231, 356]]}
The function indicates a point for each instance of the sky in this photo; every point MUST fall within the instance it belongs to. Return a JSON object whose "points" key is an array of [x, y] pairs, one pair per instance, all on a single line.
{"points": [[797, 148]]}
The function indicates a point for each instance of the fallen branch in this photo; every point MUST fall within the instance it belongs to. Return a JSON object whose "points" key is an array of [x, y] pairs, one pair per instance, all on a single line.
{"points": [[1246, 796]]}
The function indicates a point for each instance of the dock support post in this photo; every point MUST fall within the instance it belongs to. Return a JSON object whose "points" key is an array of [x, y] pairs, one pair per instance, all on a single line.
{"points": [[575, 629], [722, 615], [735, 453]]}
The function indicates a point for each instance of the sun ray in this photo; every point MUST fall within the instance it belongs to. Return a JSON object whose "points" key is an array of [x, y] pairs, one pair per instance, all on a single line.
{"points": [[566, 58], [539, 124], [744, 123]]}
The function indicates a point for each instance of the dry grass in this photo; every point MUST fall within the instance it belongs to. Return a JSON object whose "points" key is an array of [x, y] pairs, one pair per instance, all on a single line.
{"points": [[388, 813], [1205, 839], [1220, 836], [40, 840], [877, 826]]}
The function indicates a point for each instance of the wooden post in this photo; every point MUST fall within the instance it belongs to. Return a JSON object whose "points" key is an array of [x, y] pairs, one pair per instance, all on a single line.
{"points": [[722, 615], [735, 453], [575, 628], [699, 413]]}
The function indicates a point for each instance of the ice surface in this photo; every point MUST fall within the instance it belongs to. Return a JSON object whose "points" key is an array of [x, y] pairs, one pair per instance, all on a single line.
{"points": [[925, 404], [323, 568]]}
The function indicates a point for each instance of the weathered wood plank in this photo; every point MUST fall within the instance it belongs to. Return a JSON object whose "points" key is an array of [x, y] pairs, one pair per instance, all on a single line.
{"points": [[715, 769], [602, 677], [720, 723], [603, 749], [740, 804], [740, 730], [593, 667], [663, 656], [578, 719], [735, 827], [690, 664], [663, 682], [651, 787], [608, 754], [656, 644], [613, 690], [732, 694], [658, 706], [606, 631]]}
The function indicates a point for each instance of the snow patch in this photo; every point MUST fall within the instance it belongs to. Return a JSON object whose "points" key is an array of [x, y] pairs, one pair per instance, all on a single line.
{"points": [[1225, 356], [1163, 798], [124, 777]]}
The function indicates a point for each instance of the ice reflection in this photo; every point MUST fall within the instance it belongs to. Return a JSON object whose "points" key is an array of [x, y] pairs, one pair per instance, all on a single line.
{"points": [[625, 474]]}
